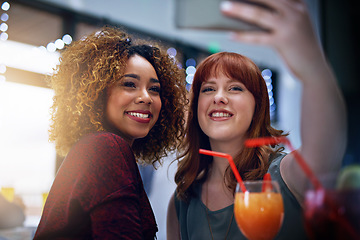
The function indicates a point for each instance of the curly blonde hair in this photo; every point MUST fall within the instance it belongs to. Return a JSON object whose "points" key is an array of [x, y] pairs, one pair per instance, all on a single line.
{"points": [[88, 67]]}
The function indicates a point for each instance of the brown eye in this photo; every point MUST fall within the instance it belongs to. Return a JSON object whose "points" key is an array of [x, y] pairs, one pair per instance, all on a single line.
{"points": [[129, 84], [155, 89]]}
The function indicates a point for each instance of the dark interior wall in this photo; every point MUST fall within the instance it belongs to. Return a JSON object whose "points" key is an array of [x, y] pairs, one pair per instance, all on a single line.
{"points": [[340, 34]]}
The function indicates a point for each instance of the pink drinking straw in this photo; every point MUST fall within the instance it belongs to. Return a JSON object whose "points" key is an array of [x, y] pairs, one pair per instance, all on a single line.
{"points": [[255, 142], [231, 162]]}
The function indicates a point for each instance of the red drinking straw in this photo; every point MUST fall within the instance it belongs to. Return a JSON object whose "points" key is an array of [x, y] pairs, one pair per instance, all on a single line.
{"points": [[255, 142], [231, 162], [266, 183]]}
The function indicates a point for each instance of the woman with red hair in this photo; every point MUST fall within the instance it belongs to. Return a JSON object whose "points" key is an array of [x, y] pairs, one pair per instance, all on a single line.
{"points": [[230, 104]]}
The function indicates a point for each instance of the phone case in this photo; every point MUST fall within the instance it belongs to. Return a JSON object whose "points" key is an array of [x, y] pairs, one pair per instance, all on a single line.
{"points": [[206, 14]]}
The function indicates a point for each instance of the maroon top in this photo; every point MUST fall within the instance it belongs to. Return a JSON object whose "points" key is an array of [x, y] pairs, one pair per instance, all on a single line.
{"points": [[98, 194]]}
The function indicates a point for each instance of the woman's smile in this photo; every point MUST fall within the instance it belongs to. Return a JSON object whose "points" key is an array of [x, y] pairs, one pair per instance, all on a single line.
{"points": [[220, 115], [140, 116]]}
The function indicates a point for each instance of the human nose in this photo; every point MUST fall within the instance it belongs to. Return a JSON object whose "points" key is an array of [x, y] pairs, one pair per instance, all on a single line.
{"points": [[220, 98], [144, 97]]}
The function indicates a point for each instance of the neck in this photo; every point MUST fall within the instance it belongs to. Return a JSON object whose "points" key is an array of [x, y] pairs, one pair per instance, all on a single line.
{"points": [[219, 164], [232, 147], [129, 140], [217, 171]]}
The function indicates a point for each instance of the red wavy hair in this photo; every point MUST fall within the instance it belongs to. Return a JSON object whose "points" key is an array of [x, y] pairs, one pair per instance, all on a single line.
{"points": [[252, 163]]}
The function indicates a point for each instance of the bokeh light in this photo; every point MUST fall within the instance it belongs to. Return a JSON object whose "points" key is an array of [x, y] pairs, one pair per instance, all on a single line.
{"points": [[190, 70], [4, 17], [172, 52], [67, 39], [4, 36], [214, 47], [267, 75], [190, 62], [3, 27], [59, 44], [189, 79], [51, 47], [5, 6]]}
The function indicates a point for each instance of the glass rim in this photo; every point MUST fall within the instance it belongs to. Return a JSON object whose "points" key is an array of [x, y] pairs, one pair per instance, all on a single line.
{"points": [[257, 181], [258, 184]]}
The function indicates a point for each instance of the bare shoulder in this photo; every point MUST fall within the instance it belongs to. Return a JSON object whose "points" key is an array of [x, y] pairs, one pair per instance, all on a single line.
{"points": [[293, 177]]}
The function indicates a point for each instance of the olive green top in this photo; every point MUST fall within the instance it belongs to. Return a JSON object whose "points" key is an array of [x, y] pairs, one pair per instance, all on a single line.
{"points": [[194, 224]]}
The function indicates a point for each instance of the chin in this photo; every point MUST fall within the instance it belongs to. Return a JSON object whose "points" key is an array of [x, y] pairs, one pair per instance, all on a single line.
{"points": [[138, 136]]}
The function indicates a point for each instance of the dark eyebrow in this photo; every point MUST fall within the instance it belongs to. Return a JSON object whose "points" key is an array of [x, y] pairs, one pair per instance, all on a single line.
{"points": [[131, 75], [154, 80]]}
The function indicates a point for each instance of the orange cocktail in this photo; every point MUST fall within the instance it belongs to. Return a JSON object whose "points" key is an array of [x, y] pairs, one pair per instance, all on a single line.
{"points": [[259, 214]]}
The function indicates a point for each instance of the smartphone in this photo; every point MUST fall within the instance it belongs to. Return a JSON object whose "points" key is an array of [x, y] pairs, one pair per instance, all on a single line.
{"points": [[206, 14]]}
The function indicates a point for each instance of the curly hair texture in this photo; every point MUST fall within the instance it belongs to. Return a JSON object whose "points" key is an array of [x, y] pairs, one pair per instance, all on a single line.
{"points": [[252, 163], [88, 67]]}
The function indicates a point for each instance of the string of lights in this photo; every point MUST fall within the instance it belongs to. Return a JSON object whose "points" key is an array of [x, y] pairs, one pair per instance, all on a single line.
{"points": [[267, 74], [5, 6]]}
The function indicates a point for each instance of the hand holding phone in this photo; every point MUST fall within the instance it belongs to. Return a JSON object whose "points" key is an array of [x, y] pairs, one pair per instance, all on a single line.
{"points": [[206, 14]]}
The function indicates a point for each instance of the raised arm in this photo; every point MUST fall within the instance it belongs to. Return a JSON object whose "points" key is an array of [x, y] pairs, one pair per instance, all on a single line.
{"points": [[323, 113]]}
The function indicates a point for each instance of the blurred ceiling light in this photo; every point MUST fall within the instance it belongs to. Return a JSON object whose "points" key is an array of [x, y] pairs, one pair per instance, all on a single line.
{"points": [[5, 6], [51, 47], [4, 27], [190, 78], [190, 70], [190, 62], [28, 57], [172, 52], [4, 36], [67, 39], [59, 43], [4, 17]]}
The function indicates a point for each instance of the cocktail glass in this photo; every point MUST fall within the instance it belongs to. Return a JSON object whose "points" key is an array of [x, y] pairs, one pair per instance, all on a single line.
{"points": [[331, 213], [259, 211], [261, 204]]}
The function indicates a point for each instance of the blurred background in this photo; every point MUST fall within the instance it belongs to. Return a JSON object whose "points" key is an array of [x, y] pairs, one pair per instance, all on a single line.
{"points": [[33, 33]]}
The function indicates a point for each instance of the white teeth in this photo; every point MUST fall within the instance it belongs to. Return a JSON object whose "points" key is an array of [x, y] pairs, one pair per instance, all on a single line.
{"points": [[139, 115], [220, 114]]}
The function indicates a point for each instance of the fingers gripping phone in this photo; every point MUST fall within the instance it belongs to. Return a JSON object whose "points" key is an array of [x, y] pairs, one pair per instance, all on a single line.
{"points": [[206, 14]]}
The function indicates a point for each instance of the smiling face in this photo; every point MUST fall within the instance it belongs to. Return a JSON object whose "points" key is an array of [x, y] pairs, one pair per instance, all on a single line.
{"points": [[134, 103], [225, 109]]}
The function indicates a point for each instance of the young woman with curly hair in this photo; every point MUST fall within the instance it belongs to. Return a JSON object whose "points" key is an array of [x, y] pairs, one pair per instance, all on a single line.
{"points": [[116, 102], [230, 104]]}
